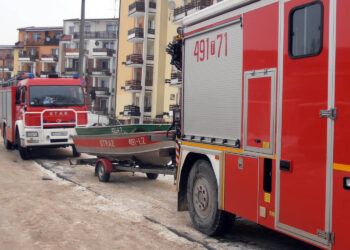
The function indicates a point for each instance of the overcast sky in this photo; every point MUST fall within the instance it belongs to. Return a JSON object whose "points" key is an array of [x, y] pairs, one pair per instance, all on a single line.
{"points": [[23, 13]]}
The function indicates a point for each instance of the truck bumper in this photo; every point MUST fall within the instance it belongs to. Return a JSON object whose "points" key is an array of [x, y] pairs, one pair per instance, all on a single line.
{"points": [[47, 137]]}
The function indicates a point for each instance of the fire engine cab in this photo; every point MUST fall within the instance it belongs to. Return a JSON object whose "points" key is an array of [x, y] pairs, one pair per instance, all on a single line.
{"points": [[42, 112], [265, 118]]}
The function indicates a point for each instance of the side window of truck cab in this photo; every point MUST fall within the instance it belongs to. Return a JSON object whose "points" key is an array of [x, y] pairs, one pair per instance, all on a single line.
{"points": [[23, 96], [18, 96]]}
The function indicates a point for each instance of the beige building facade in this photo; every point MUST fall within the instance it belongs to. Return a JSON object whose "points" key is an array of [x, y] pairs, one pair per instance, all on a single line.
{"points": [[143, 96]]}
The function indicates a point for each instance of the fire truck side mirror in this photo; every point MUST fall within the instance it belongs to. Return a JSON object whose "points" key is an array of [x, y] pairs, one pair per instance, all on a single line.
{"points": [[25, 107]]}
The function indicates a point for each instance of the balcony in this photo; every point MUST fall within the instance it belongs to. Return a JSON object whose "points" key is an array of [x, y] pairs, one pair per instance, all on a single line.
{"points": [[74, 53], [191, 7], [8, 57], [131, 110], [97, 35], [71, 71], [28, 58], [6, 69], [49, 58], [101, 110], [101, 91], [101, 72], [137, 9], [103, 52], [134, 86], [136, 35], [136, 61], [176, 79], [39, 42]]}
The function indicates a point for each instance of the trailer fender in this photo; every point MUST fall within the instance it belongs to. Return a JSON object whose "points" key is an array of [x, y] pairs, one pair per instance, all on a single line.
{"points": [[190, 156], [106, 163]]}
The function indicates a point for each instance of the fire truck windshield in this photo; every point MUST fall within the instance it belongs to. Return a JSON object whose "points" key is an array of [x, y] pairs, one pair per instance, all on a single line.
{"points": [[56, 96]]}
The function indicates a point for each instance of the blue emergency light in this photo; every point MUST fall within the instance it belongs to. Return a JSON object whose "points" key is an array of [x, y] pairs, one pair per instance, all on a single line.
{"points": [[31, 75], [75, 76]]}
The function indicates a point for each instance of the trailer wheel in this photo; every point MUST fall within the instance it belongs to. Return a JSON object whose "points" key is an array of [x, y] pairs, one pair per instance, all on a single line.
{"points": [[8, 145], [152, 176], [101, 172], [202, 198], [75, 152]]}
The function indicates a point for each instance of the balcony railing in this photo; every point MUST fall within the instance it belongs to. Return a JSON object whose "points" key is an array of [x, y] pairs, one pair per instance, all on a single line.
{"points": [[136, 59], [31, 57], [192, 6], [71, 70], [135, 85], [104, 51], [140, 7], [54, 57], [103, 71], [101, 90], [95, 35]]}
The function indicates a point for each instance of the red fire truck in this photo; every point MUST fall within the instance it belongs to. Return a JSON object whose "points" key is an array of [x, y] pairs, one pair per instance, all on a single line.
{"points": [[42, 112], [266, 116]]}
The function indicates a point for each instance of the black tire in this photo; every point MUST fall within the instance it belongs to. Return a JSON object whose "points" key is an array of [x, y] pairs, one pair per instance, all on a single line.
{"points": [[8, 145], [101, 172], [152, 176], [23, 152], [202, 199], [75, 152]]}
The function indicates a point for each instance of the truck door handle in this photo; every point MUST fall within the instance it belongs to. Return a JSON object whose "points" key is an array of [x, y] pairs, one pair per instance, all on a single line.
{"points": [[257, 141]]}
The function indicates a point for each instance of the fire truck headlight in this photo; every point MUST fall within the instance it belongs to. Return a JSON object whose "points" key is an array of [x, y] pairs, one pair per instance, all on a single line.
{"points": [[347, 183], [32, 134]]}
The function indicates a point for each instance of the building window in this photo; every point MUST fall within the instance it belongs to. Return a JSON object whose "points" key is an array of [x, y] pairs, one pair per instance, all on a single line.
{"points": [[103, 103], [57, 36], [110, 27], [25, 37], [71, 30], [105, 64], [0, 52], [36, 36], [87, 28], [54, 52], [172, 97], [306, 30]]}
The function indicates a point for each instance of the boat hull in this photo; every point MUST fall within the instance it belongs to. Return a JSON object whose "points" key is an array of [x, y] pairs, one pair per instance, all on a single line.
{"points": [[146, 148]]}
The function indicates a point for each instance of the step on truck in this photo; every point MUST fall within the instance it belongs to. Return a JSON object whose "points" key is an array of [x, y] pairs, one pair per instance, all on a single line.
{"points": [[265, 118], [42, 113]]}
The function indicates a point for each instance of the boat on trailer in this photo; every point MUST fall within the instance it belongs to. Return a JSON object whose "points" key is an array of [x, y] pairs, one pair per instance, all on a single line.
{"points": [[149, 149]]}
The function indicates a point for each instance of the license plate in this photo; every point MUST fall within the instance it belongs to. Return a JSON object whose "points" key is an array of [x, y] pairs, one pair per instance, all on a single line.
{"points": [[59, 133]]}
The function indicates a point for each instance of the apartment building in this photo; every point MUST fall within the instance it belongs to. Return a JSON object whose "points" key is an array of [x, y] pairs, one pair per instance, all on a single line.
{"points": [[143, 65], [6, 62], [37, 50], [100, 60]]}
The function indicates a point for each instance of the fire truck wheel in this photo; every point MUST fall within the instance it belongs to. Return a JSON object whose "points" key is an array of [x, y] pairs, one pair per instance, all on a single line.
{"points": [[24, 153], [152, 176], [202, 198], [7, 143], [75, 152], [101, 173]]}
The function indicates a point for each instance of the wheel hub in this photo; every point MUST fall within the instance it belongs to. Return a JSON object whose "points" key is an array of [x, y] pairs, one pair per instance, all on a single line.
{"points": [[201, 197]]}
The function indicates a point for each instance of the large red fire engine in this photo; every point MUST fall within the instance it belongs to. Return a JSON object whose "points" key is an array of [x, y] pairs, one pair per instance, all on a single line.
{"points": [[42, 112], [265, 118]]}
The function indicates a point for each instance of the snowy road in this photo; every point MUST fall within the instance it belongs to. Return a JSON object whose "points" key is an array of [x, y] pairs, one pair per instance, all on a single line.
{"points": [[46, 203]]}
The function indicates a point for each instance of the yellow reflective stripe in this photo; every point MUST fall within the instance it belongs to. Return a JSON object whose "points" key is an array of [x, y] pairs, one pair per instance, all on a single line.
{"points": [[199, 145], [341, 167]]}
